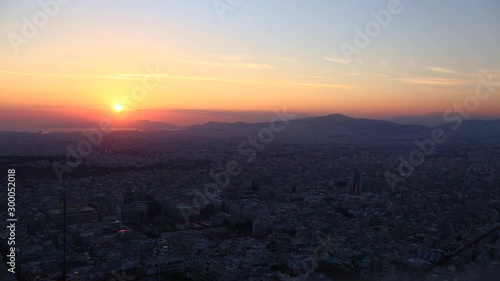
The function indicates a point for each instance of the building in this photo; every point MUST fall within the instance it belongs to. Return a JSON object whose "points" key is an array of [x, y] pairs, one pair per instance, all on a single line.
{"points": [[135, 213], [73, 215]]}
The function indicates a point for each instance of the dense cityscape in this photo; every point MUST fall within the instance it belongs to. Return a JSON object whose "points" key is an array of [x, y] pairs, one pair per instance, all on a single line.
{"points": [[154, 205]]}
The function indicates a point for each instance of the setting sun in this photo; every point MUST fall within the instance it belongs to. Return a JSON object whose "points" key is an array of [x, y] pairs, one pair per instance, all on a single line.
{"points": [[118, 107]]}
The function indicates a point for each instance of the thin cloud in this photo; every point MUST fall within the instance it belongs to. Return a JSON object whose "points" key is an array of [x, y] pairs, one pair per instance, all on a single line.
{"points": [[20, 87], [253, 66], [137, 76], [283, 59], [435, 81], [242, 81], [236, 65], [337, 60], [487, 72], [309, 76], [230, 57], [54, 75], [442, 70], [256, 82], [65, 62]]}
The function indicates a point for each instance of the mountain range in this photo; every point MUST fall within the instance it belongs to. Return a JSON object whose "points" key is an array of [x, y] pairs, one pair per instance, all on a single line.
{"points": [[323, 127], [337, 125], [137, 125], [432, 119]]}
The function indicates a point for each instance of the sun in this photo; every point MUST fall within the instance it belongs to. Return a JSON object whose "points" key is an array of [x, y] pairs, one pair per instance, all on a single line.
{"points": [[117, 107]]}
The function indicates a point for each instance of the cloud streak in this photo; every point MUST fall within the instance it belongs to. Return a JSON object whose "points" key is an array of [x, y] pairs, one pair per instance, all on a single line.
{"points": [[435, 81], [442, 70], [257, 82], [137, 76], [239, 65], [336, 60], [230, 57], [283, 59], [65, 62], [237, 62], [54, 75]]}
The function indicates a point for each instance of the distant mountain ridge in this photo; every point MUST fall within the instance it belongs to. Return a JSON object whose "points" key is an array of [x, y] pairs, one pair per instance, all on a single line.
{"points": [[137, 124], [476, 129], [314, 128], [317, 127], [338, 125], [432, 119]]}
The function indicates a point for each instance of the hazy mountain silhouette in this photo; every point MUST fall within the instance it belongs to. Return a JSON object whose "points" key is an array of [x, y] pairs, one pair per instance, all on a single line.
{"points": [[475, 129], [317, 127], [337, 125], [432, 119], [314, 128], [150, 125], [138, 124]]}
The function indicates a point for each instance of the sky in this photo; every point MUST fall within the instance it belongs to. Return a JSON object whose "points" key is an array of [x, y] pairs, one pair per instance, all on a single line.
{"points": [[239, 60]]}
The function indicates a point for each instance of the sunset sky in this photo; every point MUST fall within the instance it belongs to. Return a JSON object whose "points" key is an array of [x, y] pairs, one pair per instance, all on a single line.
{"points": [[240, 65]]}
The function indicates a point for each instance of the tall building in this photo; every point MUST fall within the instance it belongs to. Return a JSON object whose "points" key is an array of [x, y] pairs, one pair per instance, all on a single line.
{"points": [[356, 184]]}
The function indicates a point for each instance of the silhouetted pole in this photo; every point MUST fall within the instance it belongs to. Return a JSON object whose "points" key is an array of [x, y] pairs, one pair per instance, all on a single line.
{"points": [[64, 227], [64, 232]]}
